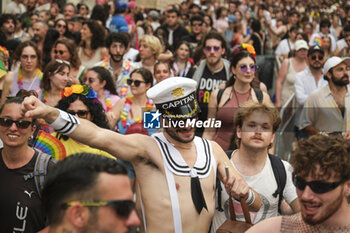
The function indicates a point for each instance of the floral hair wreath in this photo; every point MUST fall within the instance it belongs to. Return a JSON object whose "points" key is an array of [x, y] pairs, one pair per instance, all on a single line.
{"points": [[4, 50], [81, 90], [249, 48]]}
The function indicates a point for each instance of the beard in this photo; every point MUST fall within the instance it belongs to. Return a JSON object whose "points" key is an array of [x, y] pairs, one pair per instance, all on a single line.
{"points": [[327, 212], [173, 135], [116, 58], [343, 81]]}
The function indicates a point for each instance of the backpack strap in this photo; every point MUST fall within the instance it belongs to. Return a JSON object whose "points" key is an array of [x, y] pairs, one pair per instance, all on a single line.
{"points": [[40, 170], [279, 172], [218, 184], [259, 95], [219, 96]]}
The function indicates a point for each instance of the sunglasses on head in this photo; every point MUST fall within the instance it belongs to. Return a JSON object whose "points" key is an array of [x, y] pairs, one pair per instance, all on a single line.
{"points": [[210, 48], [136, 82], [80, 113], [314, 57], [21, 124], [316, 186], [252, 68], [123, 208]]}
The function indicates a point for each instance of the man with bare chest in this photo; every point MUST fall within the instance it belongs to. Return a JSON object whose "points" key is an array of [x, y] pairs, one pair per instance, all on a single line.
{"points": [[175, 171], [326, 110]]}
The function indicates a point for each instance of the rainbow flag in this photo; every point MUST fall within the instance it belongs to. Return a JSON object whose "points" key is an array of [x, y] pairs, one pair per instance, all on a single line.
{"points": [[3, 70], [50, 145], [318, 41]]}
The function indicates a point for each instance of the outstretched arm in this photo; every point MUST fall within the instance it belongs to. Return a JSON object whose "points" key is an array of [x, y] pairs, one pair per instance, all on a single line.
{"points": [[126, 147], [235, 184]]}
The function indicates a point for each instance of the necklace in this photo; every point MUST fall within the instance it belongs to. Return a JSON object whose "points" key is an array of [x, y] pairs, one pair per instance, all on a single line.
{"points": [[108, 102], [237, 100], [38, 73]]}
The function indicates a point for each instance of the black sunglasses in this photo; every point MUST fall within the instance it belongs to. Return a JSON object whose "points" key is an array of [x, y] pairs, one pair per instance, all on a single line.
{"points": [[21, 124], [80, 113], [137, 83], [123, 208], [59, 51], [316, 186], [314, 57]]}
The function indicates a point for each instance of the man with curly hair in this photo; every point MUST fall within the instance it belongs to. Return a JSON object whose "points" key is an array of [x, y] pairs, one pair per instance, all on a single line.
{"points": [[322, 179]]}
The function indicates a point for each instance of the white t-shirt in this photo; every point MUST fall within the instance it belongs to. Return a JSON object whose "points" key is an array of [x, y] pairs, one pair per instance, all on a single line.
{"points": [[284, 47], [264, 183]]}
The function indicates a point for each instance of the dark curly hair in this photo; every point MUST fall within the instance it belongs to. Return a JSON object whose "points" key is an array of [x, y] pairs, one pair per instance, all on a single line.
{"points": [[96, 110], [98, 34], [330, 153], [18, 52]]}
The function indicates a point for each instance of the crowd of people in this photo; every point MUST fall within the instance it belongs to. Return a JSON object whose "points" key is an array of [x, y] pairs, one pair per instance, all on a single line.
{"points": [[86, 75]]}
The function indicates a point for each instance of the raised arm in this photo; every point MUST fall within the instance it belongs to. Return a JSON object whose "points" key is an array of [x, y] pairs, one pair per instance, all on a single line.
{"points": [[114, 115], [280, 80], [7, 86], [126, 147]]}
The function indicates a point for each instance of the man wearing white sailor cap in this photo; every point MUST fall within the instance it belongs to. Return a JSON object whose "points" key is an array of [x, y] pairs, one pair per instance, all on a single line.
{"points": [[175, 171]]}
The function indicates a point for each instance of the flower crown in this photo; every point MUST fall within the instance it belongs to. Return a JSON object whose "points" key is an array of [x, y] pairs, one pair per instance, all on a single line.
{"points": [[79, 89], [4, 50], [249, 48]]}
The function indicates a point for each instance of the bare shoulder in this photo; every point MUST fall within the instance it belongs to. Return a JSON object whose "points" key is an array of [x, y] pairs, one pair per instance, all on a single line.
{"points": [[218, 152], [269, 225]]}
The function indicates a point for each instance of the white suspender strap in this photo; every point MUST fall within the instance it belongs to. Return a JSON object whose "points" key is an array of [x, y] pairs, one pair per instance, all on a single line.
{"points": [[174, 200]]}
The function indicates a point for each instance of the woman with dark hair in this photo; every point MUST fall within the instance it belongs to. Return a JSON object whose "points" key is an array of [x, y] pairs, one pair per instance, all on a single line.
{"points": [[256, 37], [55, 79], [28, 75], [51, 37], [127, 113], [65, 49], [17, 159], [182, 65], [82, 102], [240, 88], [61, 26], [100, 14], [221, 22], [100, 79], [92, 47]]}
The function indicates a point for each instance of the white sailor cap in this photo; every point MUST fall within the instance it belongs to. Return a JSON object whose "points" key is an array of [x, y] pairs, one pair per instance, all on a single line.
{"points": [[175, 97]]}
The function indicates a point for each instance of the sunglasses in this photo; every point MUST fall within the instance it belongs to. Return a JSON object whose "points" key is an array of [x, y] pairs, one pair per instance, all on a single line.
{"points": [[316, 186], [21, 124], [252, 68], [61, 25], [210, 48], [123, 208], [80, 113], [137, 83], [59, 51], [314, 57]]}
